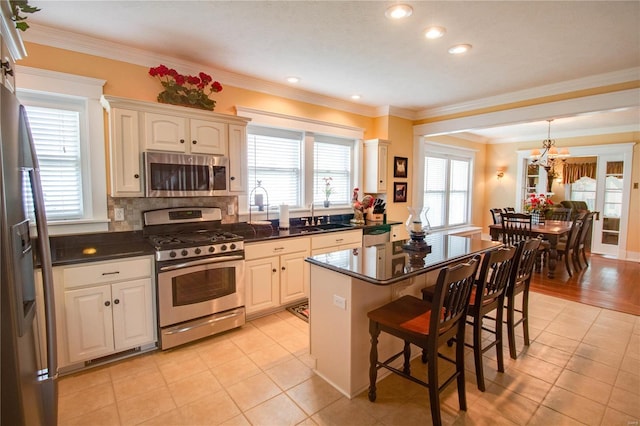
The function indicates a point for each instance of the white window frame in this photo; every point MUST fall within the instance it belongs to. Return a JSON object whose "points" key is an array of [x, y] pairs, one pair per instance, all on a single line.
{"points": [[309, 128], [37, 81], [425, 147]]}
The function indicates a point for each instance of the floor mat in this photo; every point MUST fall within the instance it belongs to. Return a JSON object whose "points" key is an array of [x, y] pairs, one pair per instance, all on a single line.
{"points": [[300, 310]]}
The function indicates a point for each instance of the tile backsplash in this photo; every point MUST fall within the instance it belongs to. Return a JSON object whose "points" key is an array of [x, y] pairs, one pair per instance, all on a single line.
{"points": [[134, 207]]}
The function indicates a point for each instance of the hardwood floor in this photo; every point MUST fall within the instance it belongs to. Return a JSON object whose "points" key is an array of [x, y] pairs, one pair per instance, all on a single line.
{"points": [[605, 283]]}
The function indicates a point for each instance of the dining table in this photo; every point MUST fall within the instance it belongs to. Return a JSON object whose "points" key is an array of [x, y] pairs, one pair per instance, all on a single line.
{"points": [[551, 230]]}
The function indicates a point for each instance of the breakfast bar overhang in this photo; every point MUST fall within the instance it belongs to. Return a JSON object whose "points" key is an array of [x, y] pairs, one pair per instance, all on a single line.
{"points": [[347, 284]]}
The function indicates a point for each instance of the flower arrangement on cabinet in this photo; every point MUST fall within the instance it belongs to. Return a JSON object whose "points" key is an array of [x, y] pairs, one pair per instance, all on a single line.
{"points": [[186, 90], [538, 203]]}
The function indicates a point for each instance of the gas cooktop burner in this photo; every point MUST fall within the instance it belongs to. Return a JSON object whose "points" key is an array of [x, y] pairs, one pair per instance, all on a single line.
{"points": [[186, 239]]}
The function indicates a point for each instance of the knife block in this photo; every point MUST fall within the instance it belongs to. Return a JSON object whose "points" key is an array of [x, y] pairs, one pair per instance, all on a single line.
{"points": [[375, 217]]}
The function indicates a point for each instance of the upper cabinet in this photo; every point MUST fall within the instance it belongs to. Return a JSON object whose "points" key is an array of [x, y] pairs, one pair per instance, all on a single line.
{"points": [[165, 132], [137, 126], [375, 166], [11, 47]]}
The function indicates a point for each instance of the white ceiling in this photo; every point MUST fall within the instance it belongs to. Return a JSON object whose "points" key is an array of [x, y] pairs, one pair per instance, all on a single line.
{"points": [[339, 48]]}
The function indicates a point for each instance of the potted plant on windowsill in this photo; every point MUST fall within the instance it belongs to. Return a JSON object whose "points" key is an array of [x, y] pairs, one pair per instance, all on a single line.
{"points": [[328, 190]]}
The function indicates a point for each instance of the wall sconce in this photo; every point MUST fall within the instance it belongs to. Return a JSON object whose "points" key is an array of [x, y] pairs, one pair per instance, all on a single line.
{"points": [[499, 174]]}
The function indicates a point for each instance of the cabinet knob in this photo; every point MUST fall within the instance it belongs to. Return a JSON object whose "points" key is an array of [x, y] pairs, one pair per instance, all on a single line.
{"points": [[107, 303], [274, 270], [283, 268], [137, 176], [116, 301], [232, 178], [380, 181], [181, 140], [194, 141]]}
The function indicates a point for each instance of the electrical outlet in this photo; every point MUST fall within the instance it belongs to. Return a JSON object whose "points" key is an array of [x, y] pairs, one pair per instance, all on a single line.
{"points": [[118, 214], [231, 209], [340, 302]]}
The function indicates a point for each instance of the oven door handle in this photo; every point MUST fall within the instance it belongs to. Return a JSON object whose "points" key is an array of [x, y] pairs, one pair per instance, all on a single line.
{"points": [[211, 321], [202, 262]]}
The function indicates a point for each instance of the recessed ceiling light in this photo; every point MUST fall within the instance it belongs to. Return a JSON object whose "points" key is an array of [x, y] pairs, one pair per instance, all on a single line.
{"points": [[293, 79], [398, 11], [434, 32], [355, 97], [459, 49]]}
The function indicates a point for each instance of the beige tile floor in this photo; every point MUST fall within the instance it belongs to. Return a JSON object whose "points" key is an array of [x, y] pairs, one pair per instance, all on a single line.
{"points": [[582, 367]]}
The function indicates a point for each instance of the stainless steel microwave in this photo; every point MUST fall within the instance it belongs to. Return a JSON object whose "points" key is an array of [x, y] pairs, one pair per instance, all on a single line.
{"points": [[184, 175]]}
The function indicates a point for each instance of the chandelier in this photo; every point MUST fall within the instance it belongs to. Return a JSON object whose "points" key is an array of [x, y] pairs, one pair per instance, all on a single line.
{"points": [[549, 153]]}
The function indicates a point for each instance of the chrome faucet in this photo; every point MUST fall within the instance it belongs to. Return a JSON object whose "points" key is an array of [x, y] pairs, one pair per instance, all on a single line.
{"points": [[313, 221]]}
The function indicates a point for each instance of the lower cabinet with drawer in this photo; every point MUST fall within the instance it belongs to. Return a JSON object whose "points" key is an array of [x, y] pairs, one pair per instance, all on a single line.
{"points": [[334, 241], [108, 308], [276, 274]]}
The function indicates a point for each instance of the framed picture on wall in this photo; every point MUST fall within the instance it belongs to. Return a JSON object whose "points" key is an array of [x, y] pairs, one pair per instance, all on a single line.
{"points": [[399, 192], [400, 165]]}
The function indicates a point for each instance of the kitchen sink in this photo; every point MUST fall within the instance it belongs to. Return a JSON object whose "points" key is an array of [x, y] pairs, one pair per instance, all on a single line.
{"points": [[323, 227]]}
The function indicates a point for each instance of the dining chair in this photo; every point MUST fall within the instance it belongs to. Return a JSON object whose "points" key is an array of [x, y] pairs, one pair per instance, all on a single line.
{"points": [[519, 281], [428, 326], [509, 210], [567, 249], [496, 214], [487, 295], [581, 241], [560, 213], [516, 227]]}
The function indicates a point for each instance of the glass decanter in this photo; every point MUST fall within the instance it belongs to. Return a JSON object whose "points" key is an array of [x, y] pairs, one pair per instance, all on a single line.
{"points": [[417, 222]]}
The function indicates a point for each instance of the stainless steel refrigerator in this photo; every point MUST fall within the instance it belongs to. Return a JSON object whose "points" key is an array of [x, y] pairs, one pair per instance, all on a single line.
{"points": [[28, 394]]}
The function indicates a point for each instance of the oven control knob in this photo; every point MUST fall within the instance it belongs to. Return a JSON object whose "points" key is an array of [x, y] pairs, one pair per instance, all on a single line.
{"points": [[212, 249], [184, 252], [223, 247], [172, 254], [197, 251], [232, 246]]}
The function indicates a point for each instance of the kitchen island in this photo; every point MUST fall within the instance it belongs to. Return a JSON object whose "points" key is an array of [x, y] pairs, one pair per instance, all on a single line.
{"points": [[347, 284]]}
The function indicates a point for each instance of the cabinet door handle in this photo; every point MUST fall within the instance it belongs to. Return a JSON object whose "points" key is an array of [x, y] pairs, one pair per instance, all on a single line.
{"points": [[274, 270], [283, 268], [181, 140], [232, 178], [107, 303], [137, 176], [339, 240], [194, 141], [6, 68], [116, 301], [110, 273]]}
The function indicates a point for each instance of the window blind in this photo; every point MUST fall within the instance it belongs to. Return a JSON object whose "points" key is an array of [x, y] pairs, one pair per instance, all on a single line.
{"points": [[56, 135], [446, 193], [274, 159], [332, 160]]}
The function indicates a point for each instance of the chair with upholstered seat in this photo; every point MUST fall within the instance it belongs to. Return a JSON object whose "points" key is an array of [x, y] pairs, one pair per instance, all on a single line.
{"points": [[428, 326], [487, 296], [567, 249], [582, 240], [519, 281]]}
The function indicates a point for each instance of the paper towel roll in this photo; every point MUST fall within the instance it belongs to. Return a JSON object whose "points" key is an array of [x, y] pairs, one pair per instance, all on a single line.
{"points": [[284, 216]]}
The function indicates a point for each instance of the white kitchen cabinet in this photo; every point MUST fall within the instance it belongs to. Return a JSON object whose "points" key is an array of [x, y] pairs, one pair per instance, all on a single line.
{"points": [[399, 232], [335, 241], [11, 49], [108, 307], [137, 126], [237, 159], [276, 273], [164, 132], [126, 161], [375, 166]]}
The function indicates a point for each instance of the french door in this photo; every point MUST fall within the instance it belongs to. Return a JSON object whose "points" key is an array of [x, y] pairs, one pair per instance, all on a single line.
{"points": [[610, 183]]}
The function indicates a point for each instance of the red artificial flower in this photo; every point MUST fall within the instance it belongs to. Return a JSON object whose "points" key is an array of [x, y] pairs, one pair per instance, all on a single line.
{"points": [[193, 80], [216, 87], [206, 78]]}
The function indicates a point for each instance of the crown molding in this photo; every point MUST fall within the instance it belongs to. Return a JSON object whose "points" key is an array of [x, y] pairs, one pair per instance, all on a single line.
{"points": [[81, 43], [599, 80]]}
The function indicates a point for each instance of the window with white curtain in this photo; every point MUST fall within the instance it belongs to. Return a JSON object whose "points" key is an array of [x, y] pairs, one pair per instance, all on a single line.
{"points": [[55, 129], [447, 189], [277, 159]]}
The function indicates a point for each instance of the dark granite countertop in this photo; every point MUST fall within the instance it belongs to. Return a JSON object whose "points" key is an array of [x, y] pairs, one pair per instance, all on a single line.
{"points": [[388, 263], [72, 249]]}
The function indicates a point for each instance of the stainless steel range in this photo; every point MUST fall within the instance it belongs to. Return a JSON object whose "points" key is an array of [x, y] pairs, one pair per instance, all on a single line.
{"points": [[199, 273]]}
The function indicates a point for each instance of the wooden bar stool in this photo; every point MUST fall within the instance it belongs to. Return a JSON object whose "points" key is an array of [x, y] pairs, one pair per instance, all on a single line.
{"points": [[428, 326]]}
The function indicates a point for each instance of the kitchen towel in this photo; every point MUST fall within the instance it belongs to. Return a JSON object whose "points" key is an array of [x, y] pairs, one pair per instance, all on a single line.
{"points": [[284, 216]]}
